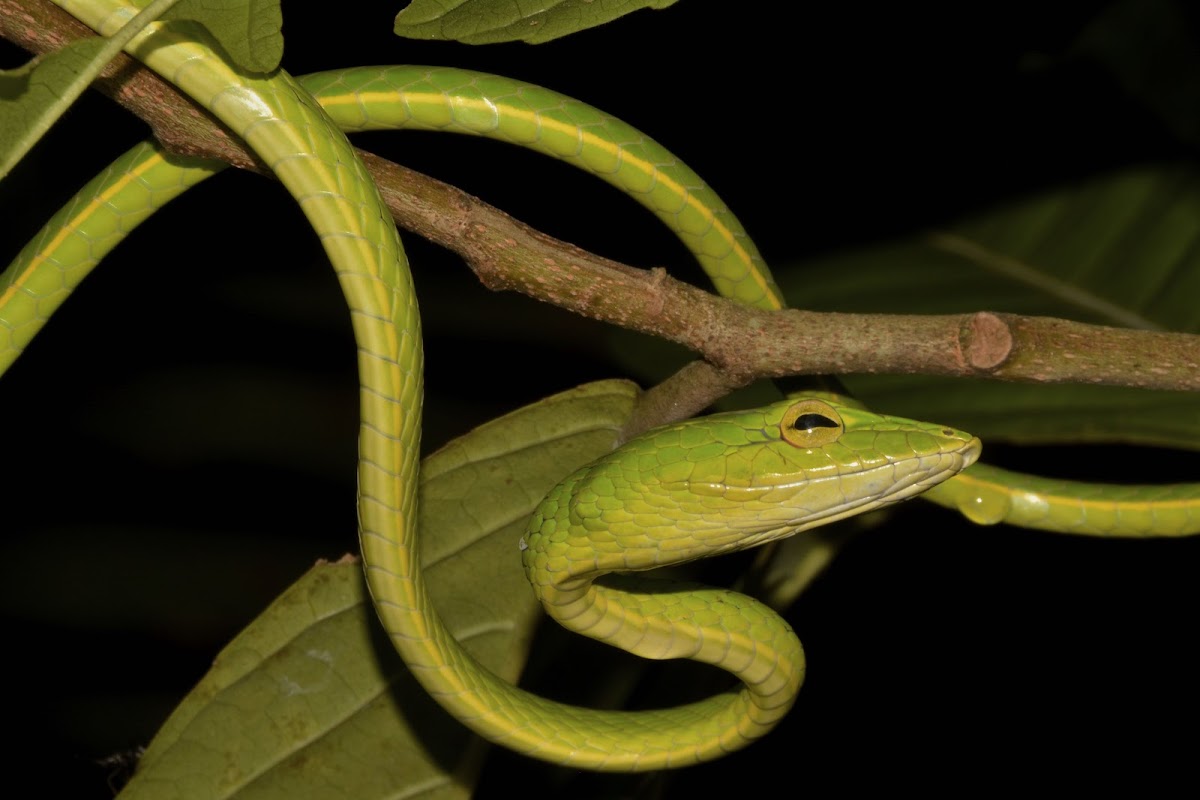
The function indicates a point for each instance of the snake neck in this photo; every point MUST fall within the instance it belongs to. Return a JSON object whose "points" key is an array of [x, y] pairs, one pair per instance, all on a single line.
{"points": [[651, 618]]}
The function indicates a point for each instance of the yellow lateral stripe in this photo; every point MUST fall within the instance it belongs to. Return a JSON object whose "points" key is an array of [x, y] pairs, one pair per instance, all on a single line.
{"points": [[74, 223], [590, 139]]}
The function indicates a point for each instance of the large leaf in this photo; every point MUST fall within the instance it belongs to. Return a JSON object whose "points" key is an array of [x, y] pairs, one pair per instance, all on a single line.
{"points": [[250, 31], [492, 21], [312, 695]]}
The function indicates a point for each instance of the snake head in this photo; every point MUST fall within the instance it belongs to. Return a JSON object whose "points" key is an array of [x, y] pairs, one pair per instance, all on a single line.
{"points": [[735, 480]]}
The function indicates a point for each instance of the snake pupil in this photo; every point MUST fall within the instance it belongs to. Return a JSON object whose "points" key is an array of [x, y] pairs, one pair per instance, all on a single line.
{"points": [[806, 422]]}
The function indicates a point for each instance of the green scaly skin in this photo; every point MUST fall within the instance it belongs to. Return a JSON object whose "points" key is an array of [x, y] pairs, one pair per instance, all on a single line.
{"points": [[82, 232], [385, 323], [461, 101], [988, 495]]}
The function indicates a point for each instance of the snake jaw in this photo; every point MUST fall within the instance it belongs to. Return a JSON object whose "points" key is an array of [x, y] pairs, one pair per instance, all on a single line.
{"points": [[861, 491]]}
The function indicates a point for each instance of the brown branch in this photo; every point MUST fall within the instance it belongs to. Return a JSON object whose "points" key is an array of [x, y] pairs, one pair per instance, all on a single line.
{"points": [[689, 391], [740, 341]]}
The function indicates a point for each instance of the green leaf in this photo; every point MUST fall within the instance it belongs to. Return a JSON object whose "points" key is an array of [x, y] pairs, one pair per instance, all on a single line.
{"points": [[786, 571], [311, 694], [1119, 250], [35, 95], [32, 97], [250, 31], [492, 21]]}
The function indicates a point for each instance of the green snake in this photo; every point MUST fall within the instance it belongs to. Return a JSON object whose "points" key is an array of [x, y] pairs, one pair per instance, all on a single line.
{"points": [[678, 493]]}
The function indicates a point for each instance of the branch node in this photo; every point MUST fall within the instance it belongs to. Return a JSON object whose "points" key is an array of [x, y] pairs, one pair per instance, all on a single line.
{"points": [[659, 278], [986, 341]]}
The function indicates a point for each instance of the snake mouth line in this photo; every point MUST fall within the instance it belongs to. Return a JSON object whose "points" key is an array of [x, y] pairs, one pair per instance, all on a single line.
{"points": [[948, 465], [862, 491], [955, 462], [943, 466]]}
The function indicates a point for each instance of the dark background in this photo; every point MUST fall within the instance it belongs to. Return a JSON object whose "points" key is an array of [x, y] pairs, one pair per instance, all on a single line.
{"points": [[180, 441]]}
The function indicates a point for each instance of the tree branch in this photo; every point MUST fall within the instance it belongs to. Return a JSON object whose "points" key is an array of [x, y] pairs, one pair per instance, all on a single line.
{"points": [[743, 343]]}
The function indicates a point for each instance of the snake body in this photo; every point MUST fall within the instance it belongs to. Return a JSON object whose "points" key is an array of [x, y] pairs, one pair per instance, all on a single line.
{"points": [[988, 495], [718, 484], [690, 490]]}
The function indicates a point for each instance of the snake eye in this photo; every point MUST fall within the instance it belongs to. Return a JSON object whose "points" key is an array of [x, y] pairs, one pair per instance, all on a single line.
{"points": [[810, 423]]}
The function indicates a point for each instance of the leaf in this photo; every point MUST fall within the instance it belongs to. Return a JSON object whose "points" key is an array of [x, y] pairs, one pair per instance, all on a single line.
{"points": [[1121, 250], [250, 31], [492, 21], [1150, 47], [782, 573], [311, 697], [35, 95]]}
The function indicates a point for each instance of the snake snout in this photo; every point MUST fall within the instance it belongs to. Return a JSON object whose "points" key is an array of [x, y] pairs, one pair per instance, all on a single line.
{"points": [[971, 452]]}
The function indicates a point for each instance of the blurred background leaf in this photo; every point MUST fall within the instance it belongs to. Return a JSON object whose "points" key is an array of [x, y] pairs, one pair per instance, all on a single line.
{"points": [[1121, 249]]}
